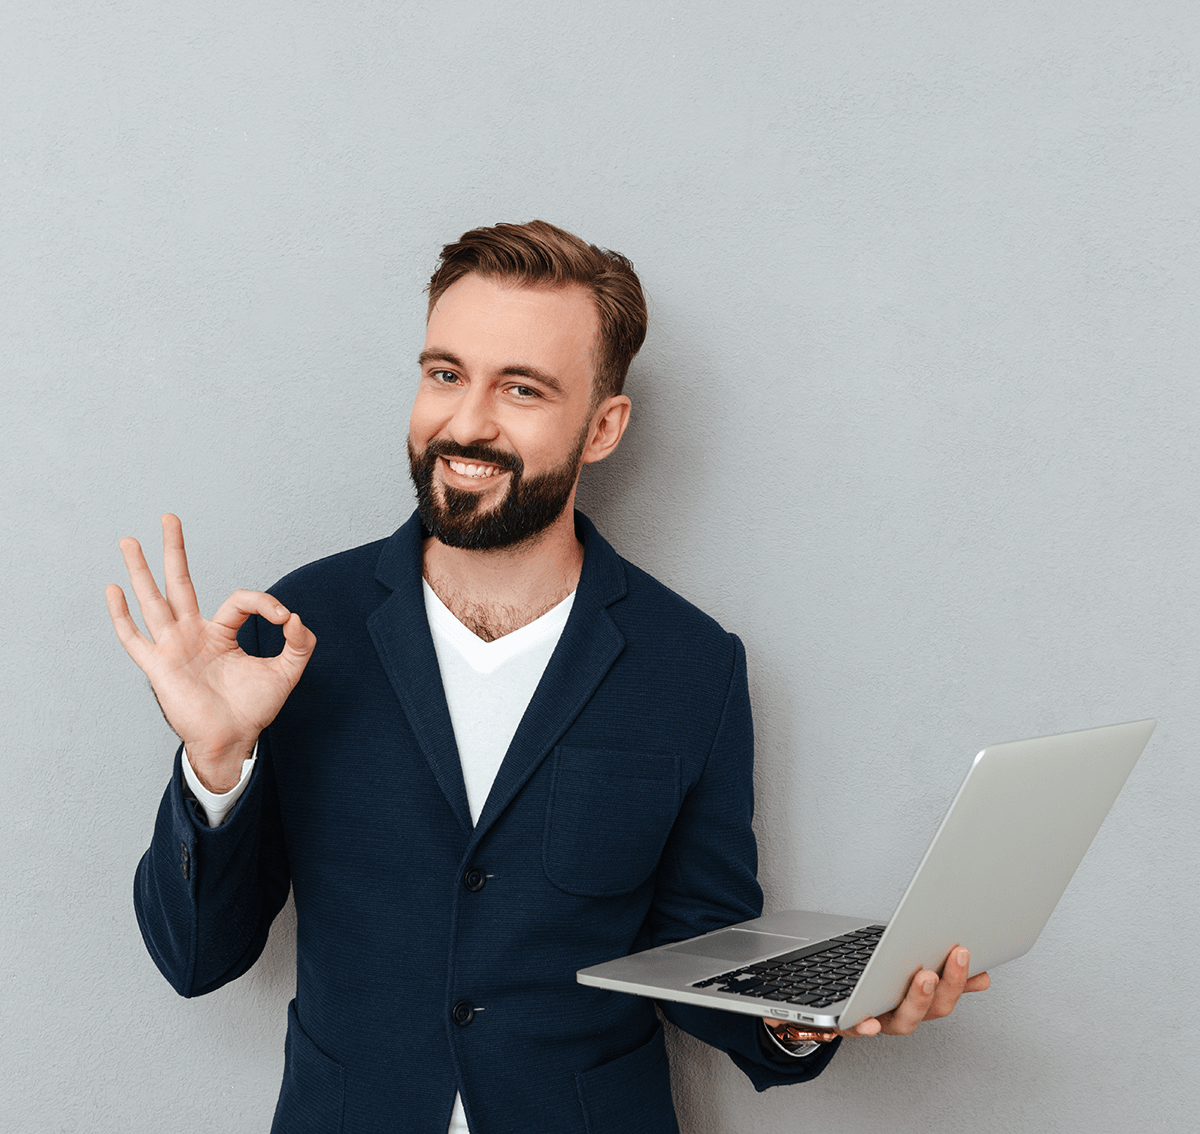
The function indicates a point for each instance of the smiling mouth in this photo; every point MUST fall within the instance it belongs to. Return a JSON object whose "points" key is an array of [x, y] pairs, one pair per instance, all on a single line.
{"points": [[474, 471]]}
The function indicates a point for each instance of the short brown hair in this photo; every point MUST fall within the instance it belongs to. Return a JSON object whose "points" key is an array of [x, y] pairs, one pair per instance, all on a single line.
{"points": [[539, 254]]}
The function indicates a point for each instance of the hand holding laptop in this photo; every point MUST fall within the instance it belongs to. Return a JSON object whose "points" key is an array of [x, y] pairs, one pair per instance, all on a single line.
{"points": [[928, 998]]}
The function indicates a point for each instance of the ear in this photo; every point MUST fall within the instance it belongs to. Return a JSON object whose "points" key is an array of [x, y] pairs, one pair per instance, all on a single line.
{"points": [[608, 426]]}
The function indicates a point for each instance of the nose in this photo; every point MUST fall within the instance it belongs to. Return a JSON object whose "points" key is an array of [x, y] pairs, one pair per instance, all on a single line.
{"points": [[473, 420]]}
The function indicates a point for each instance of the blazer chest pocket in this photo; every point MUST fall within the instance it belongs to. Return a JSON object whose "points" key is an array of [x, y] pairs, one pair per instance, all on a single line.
{"points": [[608, 819]]}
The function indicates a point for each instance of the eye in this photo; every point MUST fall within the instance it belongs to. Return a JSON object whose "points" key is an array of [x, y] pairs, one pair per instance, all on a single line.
{"points": [[526, 393], [445, 377]]}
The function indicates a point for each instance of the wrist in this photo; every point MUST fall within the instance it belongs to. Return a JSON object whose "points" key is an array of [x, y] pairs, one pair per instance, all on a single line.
{"points": [[796, 1041], [219, 768], [214, 807]]}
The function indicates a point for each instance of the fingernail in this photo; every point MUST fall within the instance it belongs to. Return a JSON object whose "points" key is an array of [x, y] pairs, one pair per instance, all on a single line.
{"points": [[929, 985], [280, 611], [962, 956]]}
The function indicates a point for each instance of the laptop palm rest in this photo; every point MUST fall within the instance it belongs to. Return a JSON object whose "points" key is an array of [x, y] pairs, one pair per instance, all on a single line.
{"points": [[736, 945]]}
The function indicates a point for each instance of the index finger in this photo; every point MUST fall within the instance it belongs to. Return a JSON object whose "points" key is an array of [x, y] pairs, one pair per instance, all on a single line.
{"points": [[177, 580]]}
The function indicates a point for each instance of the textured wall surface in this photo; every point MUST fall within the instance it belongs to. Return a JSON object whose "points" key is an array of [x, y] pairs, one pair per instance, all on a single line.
{"points": [[916, 418]]}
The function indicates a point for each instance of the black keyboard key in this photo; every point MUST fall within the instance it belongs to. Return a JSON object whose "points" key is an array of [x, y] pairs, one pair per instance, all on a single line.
{"points": [[741, 985]]}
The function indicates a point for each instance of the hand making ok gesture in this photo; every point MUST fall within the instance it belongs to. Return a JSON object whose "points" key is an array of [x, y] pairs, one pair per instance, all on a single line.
{"points": [[214, 695]]}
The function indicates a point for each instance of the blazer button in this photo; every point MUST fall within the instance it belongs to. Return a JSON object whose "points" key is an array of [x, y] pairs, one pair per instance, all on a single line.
{"points": [[474, 879], [463, 1013]]}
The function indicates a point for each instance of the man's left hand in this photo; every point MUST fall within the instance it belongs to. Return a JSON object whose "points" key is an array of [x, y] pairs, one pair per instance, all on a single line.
{"points": [[929, 997]]}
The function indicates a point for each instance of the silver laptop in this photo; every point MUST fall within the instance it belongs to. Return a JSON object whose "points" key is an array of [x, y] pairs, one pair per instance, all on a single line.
{"points": [[1019, 826]]}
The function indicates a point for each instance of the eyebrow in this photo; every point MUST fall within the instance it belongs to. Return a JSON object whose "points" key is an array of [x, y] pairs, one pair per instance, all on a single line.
{"points": [[440, 356], [516, 370]]}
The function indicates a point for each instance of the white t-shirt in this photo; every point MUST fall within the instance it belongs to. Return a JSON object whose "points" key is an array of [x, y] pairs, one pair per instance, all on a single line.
{"points": [[489, 685]]}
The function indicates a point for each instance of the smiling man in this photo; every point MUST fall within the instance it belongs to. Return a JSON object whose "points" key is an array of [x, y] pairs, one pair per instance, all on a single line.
{"points": [[483, 753], [507, 412]]}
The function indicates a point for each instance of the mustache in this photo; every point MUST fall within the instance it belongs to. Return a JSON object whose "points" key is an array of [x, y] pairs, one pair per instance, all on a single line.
{"points": [[482, 454]]}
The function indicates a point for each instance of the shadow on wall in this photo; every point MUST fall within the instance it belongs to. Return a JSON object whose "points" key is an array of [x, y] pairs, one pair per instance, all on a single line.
{"points": [[614, 493], [274, 973]]}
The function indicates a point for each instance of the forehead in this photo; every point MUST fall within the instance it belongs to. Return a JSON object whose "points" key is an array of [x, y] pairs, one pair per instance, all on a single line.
{"points": [[498, 322]]}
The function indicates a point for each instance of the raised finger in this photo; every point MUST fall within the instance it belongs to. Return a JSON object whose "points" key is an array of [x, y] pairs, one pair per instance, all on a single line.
{"points": [[135, 642], [178, 582], [950, 987], [156, 613]]}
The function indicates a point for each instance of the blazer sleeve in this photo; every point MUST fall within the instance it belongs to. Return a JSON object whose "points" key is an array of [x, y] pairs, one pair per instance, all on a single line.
{"points": [[708, 879], [205, 897]]}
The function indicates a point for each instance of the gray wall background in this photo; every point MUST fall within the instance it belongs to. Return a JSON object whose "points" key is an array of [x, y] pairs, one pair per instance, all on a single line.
{"points": [[916, 418]]}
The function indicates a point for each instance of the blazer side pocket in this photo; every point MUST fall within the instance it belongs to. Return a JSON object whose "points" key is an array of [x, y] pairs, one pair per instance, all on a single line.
{"points": [[609, 815], [312, 1099], [630, 1095]]}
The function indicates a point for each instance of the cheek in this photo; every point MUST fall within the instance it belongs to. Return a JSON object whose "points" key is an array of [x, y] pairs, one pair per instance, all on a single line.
{"points": [[543, 443], [424, 420]]}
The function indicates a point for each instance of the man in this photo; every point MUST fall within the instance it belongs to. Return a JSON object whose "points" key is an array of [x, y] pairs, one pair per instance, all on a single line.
{"points": [[484, 753]]}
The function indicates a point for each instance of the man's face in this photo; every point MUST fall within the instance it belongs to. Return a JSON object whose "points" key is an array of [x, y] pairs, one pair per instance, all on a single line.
{"points": [[501, 418]]}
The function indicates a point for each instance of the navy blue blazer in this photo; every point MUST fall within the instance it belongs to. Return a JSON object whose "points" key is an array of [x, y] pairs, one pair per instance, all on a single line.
{"points": [[434, 956]]}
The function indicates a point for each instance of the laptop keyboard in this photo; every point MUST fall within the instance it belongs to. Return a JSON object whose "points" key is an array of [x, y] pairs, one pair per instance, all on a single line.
{"points": [[816, 975]]}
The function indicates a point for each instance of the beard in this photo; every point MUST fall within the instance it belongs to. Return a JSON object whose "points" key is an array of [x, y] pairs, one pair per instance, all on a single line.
{"points": [[453, 515]]}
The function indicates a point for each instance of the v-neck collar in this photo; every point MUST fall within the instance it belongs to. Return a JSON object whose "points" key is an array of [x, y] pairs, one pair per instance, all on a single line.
{"points": [[484, 656]]}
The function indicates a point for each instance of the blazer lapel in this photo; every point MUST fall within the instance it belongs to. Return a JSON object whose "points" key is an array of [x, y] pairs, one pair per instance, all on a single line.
{"points": [[589, 645], [401, 635]]}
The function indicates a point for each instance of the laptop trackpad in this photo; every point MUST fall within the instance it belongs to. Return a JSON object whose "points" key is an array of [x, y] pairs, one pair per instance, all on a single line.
{"points": [[736, 945]]}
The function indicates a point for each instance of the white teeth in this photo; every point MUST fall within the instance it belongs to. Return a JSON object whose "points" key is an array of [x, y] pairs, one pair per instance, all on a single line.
{"points": [[472, 470]]}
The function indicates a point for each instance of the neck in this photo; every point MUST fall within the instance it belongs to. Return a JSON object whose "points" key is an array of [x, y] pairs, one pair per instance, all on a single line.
{"points": [[496, 592]]}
